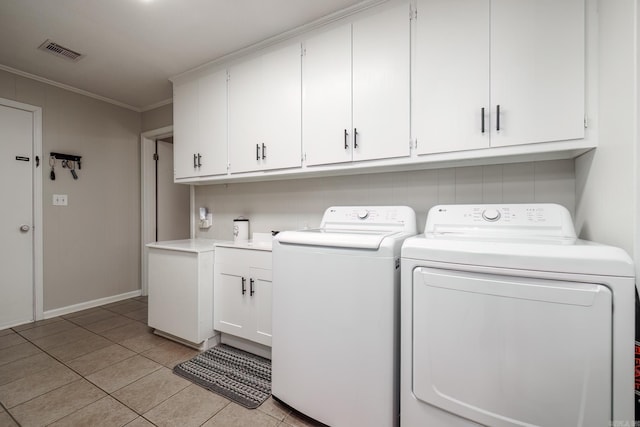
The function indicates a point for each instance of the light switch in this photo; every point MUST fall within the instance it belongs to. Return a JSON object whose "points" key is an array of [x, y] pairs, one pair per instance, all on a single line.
{"points": [[60, 200]]}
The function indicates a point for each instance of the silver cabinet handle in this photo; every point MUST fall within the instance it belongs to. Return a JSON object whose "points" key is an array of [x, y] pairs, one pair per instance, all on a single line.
{"points": [[497, 118], [24, 228], [251, 289], [258, 151], [244, 286], [264, 151]]}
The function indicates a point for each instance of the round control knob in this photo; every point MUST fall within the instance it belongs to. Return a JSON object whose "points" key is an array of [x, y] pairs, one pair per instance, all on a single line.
{"points": [[363, 214], [491, 214]]}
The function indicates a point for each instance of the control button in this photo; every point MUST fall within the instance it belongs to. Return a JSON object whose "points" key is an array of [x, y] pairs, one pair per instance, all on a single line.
{"points": [[491, 214], [363, 214]]}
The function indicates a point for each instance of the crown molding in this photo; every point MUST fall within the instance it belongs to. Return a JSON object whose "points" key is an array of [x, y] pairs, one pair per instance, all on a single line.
{"points": [[69, 88]]}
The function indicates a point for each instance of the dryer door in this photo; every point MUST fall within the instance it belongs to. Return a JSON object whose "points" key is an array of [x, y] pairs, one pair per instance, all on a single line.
{"points": [[511, 351]]}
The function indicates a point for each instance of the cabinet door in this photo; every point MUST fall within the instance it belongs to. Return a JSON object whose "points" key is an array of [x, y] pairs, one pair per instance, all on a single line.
{"points": [[232, 312], [261, 304], [537, 70], [381, 85], [451, 80], [212, 124], [185, 130], [281, 101], [174, 309], [326, 97], [265, 112], [245, 116]]}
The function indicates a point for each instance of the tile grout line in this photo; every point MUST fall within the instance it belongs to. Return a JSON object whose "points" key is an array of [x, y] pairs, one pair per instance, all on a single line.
{"points": [[82, 377]]}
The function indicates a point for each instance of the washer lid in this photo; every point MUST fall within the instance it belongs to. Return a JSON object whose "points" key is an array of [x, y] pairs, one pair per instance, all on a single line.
{"points": [[357, 239], [561, 256]]}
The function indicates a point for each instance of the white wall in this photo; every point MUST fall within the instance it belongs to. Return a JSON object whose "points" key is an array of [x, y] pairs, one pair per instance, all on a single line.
{"points": [[295, 204], [606, 181], [92, 246]]}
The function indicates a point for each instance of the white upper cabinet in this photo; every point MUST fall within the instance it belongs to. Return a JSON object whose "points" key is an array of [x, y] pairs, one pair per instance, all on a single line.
{"points": [[185, 129], [326, 97], [200, 129], [265, 112], [451, 80], [537, 70], [492, 73], [381, 90]]}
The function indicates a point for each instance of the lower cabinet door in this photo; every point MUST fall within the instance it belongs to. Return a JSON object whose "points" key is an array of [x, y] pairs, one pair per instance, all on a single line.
{"points": [[261, 305], [231, 311]]}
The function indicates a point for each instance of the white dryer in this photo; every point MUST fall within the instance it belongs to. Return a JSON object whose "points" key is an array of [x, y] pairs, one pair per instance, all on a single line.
{"points": [[336, 298], [509, 320]]}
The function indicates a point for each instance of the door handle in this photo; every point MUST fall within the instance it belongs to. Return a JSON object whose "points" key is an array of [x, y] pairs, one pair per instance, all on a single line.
{"points": [[497, 118], [345, 139], [257, 151], [24, 228], [251, 289], [199, 157], [244, 286], [355, 138], [482, 118], [195, 163], [264, 151]]}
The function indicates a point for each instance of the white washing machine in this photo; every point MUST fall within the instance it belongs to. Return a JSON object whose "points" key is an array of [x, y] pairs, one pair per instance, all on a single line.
{"points": [[509, 320], [336, 298]]}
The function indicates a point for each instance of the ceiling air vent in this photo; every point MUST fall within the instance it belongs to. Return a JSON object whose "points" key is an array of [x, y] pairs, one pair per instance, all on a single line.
{"points": [[60, 51]]}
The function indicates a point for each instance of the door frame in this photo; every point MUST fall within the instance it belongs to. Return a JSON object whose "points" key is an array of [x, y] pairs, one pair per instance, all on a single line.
{"points": [[148, 194], [37, 202]]}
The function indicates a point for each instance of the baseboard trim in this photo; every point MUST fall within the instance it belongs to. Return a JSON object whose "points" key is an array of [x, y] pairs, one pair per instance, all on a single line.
{"points": [[90, 304]]}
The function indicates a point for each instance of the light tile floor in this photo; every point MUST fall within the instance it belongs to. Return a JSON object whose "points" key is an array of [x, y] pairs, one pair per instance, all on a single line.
{"points": [[105, 367]]}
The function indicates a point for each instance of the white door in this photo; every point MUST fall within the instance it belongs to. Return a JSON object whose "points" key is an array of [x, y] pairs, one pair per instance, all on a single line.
{"points": [[381, 95], [245, 116], [326, 97], [173, 200], [260, 291], [212, 124], [282, 108], [231, 309], [537, 70], [451, 80], [496, 349], [16, 228], [185, 116]]}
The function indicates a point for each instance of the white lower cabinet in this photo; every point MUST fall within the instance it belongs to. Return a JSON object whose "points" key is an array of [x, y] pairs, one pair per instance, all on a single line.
{"points": [[242, 293], [181, 289]]}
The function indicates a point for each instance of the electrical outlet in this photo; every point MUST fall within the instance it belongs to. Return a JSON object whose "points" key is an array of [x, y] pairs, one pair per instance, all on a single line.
{"points": [[60, 200]]}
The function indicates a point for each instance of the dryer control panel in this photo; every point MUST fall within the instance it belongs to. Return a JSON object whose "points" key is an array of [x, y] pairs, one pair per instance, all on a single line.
{"points": [[531, 220]]}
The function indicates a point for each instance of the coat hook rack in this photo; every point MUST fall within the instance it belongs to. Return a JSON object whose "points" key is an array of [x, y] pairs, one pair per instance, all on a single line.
{"points": [[69, 161]]}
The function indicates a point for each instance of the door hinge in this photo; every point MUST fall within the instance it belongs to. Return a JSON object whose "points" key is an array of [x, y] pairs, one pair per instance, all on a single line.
{"points": [[228, 76], [303, 51], [155, 156], [413, 13], [586, 122]]}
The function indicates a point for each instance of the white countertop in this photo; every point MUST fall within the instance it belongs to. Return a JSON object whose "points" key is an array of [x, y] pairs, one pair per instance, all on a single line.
{"points": [[187, 245]]}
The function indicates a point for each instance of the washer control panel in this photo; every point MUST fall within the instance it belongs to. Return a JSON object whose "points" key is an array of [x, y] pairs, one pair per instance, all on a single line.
{"points": [[544, 219], [401, 218]]}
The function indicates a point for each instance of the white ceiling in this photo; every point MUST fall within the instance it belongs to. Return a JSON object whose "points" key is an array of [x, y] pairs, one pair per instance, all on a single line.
{"points": [[132, 47]]}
